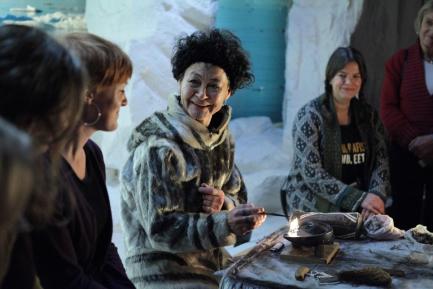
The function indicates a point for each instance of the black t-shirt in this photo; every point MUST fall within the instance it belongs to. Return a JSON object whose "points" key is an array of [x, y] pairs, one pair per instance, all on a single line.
{"points": [[352, 155]]}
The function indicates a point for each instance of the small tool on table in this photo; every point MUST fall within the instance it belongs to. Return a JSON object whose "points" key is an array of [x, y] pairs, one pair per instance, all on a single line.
{"points": [[323, 277], [373, 276]]}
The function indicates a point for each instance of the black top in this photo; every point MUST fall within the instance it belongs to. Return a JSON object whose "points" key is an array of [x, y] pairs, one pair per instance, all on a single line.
{"points": [[92, 190], [80, 254], [352, 156]]}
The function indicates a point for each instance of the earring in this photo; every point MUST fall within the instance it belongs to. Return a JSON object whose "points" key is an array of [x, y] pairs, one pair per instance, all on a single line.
{"points": [[98, 115]]}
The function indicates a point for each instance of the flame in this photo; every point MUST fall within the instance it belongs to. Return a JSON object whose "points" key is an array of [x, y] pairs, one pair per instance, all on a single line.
{"points": [[294, 227]]}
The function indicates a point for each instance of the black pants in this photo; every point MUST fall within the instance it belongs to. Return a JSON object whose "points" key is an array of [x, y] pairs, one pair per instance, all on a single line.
{"points": [[412, 190]]}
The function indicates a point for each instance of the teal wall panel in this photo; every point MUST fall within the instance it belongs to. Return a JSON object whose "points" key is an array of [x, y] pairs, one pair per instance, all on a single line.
{"points": [[261, 26]]}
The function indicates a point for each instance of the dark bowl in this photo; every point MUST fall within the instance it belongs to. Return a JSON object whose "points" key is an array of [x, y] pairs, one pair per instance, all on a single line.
{"points": [[312, 233]]}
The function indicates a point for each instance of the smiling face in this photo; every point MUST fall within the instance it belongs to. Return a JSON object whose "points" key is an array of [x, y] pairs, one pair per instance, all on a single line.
{"points": [[203, 89], [346, 83], [110, 99], [426, 34]]}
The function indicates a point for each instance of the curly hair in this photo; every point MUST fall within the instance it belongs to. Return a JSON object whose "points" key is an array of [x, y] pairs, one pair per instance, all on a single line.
{"points": [[219, 47]]}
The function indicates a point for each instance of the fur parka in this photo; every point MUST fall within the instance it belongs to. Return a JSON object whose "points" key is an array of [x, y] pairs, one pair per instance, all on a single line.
{"points": [[170, 242]]}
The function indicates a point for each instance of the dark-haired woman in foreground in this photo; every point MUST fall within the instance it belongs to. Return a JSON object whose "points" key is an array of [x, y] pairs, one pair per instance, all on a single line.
{"points": [[41, 88], [340, 160], [183, 198]]}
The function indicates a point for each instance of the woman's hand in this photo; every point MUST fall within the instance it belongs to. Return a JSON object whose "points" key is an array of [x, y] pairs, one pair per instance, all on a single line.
{"points": [[245, 218], [422, 147], [372, 205], [213, 199]]}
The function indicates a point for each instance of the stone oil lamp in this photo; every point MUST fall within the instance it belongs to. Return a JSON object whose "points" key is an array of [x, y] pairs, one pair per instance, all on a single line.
{"points": [[308, 233]]}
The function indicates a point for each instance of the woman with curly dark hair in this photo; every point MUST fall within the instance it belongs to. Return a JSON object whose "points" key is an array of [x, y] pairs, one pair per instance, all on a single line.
{"points": [[183, 198]]}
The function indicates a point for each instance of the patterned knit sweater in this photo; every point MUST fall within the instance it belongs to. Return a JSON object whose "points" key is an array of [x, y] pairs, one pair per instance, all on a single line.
{"points": [[170, 242], [314, 182]]}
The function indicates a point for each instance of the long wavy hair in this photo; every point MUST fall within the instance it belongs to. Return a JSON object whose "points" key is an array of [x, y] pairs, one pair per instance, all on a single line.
{"points": [[41, 93], [16, 172], [17, 180]]}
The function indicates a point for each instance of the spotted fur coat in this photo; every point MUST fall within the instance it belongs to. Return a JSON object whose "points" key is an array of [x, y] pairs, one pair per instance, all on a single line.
{"points": [[314, 182], [170, 242]]}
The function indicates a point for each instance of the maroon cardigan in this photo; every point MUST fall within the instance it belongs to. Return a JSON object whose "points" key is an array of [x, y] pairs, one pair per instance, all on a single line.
{"points": [[79, 254], [406, 106]]}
